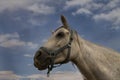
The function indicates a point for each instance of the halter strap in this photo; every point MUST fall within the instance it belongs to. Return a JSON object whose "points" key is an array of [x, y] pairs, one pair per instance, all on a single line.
{"points": [[54, 53]]}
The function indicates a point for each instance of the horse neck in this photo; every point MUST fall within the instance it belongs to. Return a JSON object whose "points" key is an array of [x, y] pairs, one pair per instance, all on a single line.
{"points": [[93, 61], [80, 60]]}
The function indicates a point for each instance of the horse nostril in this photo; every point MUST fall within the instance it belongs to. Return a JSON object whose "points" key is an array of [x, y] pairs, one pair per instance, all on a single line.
{"points": [[38, 54]]}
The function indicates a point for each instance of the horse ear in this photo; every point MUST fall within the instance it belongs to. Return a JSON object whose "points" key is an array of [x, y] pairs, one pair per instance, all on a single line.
{"points": [[64, 22]]}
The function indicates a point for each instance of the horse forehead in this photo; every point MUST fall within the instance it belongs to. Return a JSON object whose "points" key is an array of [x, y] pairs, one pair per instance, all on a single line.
{"points": [[61, 30]]}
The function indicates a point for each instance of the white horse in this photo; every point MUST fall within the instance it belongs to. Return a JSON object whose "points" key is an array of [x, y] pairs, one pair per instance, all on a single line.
{"points": [[94, 62]]}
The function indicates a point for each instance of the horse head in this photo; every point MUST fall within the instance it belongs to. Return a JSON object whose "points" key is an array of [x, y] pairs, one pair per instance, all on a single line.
{"points": [[58, 49]]}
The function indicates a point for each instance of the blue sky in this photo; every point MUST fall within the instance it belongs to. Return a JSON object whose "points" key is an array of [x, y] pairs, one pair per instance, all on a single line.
{"points": [[26, 24]]}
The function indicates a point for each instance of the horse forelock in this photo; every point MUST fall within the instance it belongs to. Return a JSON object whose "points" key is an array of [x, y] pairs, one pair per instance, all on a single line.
{"points": [[60, 28]]}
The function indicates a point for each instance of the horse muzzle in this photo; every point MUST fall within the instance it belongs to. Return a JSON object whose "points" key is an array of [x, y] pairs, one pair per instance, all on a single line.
{"points": [[41, 60]]}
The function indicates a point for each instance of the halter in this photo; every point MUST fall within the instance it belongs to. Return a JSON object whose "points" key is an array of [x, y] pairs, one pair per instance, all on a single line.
{"points": [[54, 53]]}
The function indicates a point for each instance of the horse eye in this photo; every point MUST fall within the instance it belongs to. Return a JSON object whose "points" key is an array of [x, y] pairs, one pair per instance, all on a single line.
{"points": [[60, 35]]}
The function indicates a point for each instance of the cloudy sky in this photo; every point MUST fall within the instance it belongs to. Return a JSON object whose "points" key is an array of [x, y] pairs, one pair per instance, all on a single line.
{"points": [[26, 24]]}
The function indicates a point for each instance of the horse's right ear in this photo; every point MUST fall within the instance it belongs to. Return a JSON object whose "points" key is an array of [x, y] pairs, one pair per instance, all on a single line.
{"points": [[64, 22]]}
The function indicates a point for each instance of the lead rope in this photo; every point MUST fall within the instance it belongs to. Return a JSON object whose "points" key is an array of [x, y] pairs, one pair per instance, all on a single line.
{"points": [[50, 67]]}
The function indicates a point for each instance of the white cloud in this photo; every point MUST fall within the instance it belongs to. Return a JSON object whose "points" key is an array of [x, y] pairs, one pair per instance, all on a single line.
{"points": [[82, 6], [115, 27], [82, 11], [31, 45], [13, 40], [28, 55], [10, 40], [112, 4], [93, 6], [73, 3], [35, 6], [111, 16], [99, 11], [12, 43], [9, 75], [110, 12], [7, 36], [41, 9], [67, 76], [13, 4], [29, 64], [86, 4], [58, 76], [37, 76]]}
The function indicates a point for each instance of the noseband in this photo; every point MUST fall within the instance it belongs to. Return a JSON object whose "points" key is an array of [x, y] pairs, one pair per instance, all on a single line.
{"points": [[54, 53]]}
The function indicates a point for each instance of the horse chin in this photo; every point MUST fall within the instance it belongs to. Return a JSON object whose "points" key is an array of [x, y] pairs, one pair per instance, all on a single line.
{"points": [[41, 66]]}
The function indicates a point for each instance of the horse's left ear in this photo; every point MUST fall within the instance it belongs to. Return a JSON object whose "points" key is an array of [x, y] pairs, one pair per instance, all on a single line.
{"points": [[64, 22]]}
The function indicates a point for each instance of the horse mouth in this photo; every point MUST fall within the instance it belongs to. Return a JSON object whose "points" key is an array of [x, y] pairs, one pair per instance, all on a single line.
{"points": [[40, 66]]}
